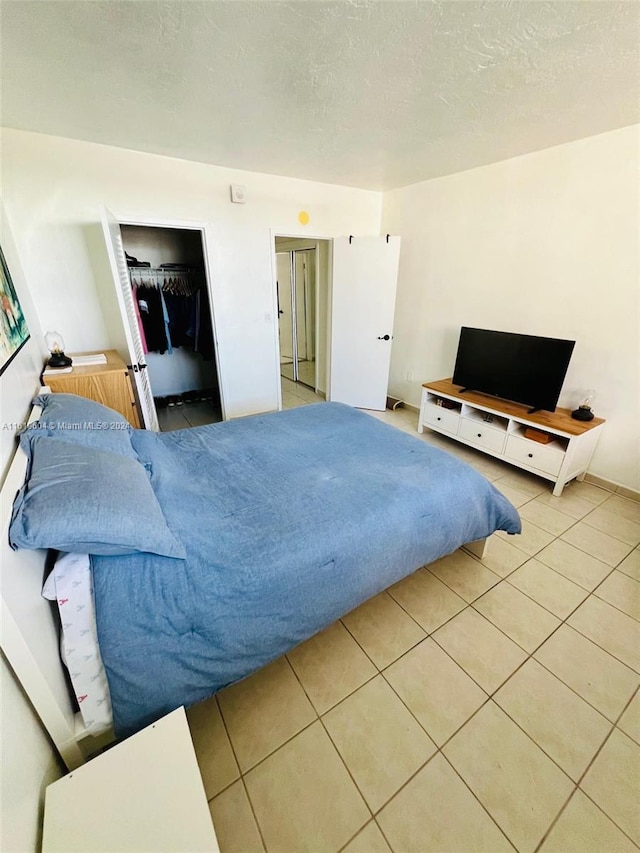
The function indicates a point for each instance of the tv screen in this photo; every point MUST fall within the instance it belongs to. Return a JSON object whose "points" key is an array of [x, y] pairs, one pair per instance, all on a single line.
{"points": [[523, 368]]}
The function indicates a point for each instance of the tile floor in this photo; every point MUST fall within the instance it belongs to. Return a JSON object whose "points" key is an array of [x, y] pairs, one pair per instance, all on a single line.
{"points": [[475, 706]]}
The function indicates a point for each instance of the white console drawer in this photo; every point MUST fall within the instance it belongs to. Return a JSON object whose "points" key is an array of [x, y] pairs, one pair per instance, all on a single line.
{"points": [[484, 436], [539, 456], [441, 418]]}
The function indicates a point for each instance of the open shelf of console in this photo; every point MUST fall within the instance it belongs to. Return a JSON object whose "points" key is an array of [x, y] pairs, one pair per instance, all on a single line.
{"points": [[498, 427]]}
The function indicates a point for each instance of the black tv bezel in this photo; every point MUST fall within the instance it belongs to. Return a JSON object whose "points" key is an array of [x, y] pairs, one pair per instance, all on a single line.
{"points": [[534, 405]]}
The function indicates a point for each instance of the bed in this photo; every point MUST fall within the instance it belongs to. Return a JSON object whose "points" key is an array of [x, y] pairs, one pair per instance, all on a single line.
{"points": [[283, 522]]}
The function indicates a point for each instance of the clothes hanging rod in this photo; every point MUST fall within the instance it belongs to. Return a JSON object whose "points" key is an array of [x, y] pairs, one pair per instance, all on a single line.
{"points": [[165, 270]]}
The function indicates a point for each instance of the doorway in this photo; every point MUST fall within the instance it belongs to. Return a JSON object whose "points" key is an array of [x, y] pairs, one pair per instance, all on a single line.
{"points": [[302, 290], [172, 315]]}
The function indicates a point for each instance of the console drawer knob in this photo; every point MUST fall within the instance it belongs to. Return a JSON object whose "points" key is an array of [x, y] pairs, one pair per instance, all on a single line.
{"points": [[530, 455]]}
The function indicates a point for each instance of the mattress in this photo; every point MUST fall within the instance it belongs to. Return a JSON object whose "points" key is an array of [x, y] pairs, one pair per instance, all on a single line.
{"points": [[289, 520]]}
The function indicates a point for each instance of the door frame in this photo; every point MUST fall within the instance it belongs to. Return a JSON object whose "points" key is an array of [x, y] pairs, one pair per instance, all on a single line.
{"points": [[190, 225], [312, 238]]}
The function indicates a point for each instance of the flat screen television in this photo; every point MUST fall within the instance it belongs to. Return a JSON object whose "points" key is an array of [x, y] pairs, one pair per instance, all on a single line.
{"points": [[522, 368]]}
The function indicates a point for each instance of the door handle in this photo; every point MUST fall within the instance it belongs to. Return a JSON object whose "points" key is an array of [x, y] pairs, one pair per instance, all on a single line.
{"points": [[384, 337]]}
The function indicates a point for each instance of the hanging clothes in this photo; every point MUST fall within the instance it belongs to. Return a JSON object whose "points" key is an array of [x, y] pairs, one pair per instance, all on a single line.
{"points": [[149, 301], [136, 308], [172, 309]]}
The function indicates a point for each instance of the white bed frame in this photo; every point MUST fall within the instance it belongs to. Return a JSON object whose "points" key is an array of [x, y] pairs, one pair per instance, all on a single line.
{"points": [[29, 633]]}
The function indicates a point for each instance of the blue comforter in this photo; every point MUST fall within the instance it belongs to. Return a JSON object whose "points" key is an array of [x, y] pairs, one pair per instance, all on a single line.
{"points": [[289, 521]]}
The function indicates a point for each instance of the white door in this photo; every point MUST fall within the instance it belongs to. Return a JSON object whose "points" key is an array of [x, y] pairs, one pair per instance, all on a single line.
{"points": [[285, 306], [118, 261], [365, 276]]}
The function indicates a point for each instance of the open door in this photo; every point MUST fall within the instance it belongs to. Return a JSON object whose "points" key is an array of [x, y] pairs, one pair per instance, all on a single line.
{"points": [[120, 271], [365, 277]]}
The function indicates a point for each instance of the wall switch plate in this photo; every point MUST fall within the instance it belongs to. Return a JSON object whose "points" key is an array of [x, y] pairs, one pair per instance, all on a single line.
{"points": [[238, 193]]}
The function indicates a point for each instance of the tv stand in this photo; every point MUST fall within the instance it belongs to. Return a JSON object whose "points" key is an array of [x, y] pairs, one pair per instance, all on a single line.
{"points": [[497, 427]]}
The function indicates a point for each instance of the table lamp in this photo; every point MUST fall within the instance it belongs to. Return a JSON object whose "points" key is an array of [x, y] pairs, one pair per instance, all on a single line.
{"points": [[583, 412], [55, 345]]}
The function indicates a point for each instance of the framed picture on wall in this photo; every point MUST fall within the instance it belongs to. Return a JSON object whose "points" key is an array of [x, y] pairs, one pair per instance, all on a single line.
{"points": [[13, 327]]}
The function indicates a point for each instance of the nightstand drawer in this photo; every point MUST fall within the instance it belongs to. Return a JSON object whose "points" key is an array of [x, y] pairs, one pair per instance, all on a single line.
{"points": [[544, 458]]}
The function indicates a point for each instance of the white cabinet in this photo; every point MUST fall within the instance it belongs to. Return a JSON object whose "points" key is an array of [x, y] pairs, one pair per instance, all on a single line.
{"points": [[144, 794], [497, 427]]}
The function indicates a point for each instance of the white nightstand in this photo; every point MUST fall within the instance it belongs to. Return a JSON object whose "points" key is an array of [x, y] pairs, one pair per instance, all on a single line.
{"points": [[145, 794]]}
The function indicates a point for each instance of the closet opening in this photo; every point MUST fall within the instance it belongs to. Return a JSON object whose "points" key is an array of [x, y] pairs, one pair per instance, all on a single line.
{"points": [[170, 299], [303, 300]]}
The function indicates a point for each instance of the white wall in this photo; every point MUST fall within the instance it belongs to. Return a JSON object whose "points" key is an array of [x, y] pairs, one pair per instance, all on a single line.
{"points": [[28, 762], [55, 188], [545, 244]]}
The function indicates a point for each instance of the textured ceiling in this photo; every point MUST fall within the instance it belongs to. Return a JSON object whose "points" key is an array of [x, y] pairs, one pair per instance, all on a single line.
{"points": [[368, 94]]}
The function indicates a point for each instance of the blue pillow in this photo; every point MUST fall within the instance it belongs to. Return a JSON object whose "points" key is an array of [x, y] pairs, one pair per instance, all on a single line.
{"points": [[77, 498], [83, 421]]}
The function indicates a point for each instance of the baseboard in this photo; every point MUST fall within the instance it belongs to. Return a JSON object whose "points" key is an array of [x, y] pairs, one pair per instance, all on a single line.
{"points": [[610, 486]]}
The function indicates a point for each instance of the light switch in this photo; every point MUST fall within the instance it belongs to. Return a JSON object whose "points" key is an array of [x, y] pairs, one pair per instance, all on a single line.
{"points": [[238, 193]]}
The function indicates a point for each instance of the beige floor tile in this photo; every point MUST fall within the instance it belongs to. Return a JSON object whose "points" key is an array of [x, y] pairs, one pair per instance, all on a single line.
{"points": [[596, 543], [264, 711], [483, 651], [621, 591], [490, 468], [558, 720], [631, 565], [502, 557], [428, 600], [436, 690], [368, 840], [517, 498], [541, 514], [379, 741], [383, 629], [568, 503], [521, 788], [217, 764], [524, 482], [629, 722], [614, 524], [303, 797], [330, 666], [551, 590], [588, 492], [234, 823], [518, 616], [603, 681], [583, 827], [437, 812], [623, 506], [531, 540], [574, 564], [613, 782], [609, 628], [464, 575]]}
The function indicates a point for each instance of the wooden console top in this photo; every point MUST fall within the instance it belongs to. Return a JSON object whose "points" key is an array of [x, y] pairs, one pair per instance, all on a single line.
{"points": [[559, 420]]}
